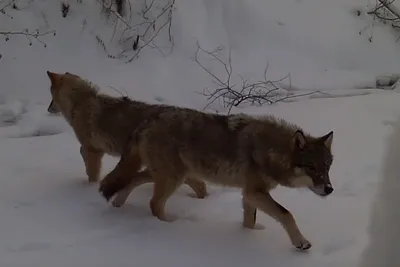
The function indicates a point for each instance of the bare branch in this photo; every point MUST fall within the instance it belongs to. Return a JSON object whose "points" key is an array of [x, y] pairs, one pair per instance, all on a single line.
{"points": [[4, 5], [386, 12], [3, 8], [29, 34], [35, 34], [254, 93], [146, 9], [147, 28], [380, 6]]}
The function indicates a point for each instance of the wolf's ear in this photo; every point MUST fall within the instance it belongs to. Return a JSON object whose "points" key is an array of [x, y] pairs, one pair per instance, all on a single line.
{"points": [[299, 140], [54, 77], [72, 75], [327, 139]]}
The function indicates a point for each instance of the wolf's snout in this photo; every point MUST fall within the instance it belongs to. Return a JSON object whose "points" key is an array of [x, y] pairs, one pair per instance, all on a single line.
{"points": [[322, 190], [52, 108], [328, 189]]}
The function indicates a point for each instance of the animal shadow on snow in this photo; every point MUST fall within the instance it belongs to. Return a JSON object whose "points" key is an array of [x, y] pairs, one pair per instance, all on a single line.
{"points": [[79, 192]]}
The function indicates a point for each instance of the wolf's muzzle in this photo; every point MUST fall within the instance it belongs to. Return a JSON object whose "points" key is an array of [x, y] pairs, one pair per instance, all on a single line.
{"points": [[52, 109], [322, 190], [328, 189]]}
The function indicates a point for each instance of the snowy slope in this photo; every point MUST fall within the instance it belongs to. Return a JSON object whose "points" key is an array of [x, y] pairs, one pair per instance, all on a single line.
{"points": [[317, 42], [50, 216]]}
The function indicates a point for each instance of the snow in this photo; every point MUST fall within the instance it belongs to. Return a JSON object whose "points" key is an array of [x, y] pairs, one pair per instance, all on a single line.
{"points": [[51, 216]]}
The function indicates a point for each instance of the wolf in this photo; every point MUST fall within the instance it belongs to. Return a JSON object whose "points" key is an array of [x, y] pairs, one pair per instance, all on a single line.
{"points": [[101, 123], [254, 154]]}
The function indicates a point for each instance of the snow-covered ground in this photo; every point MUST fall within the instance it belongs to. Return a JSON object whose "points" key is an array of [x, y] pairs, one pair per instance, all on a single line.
{"points": [[51, 216]]}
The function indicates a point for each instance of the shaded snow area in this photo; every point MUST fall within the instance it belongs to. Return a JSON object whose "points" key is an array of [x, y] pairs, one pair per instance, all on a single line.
{"points": [[51, 216]]}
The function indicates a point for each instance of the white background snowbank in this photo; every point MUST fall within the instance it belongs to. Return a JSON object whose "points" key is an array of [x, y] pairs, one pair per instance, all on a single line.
{"points": [[317, 42]]}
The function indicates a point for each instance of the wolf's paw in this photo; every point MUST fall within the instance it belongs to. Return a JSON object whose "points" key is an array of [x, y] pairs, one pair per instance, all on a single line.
{"points": [[167, 217], [258, 226], [302, 244], [93, 180], [106, 191], [170, 218], [201, 194], [118, 202], [198, 195], [255, 226]]}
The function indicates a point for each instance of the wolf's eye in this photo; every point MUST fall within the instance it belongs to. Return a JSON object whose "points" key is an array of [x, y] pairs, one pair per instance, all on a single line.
{"points": [[311, 168]]}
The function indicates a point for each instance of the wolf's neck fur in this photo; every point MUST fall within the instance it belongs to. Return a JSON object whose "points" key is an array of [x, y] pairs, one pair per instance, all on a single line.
{"points": [[276, 136], [76, 94]]}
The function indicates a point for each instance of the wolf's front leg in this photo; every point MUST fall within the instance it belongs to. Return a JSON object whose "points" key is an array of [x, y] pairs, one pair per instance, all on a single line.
{"points": [[165, 185], [266, 203], [92, 159], [249, 215]]}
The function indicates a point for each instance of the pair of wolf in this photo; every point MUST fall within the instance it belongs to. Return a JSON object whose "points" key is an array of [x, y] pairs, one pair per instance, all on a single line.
{"points": [[169, 146]]}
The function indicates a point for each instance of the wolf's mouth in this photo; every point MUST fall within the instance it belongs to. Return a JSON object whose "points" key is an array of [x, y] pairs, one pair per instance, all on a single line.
{"points": [[322, 190], [52, 109]]}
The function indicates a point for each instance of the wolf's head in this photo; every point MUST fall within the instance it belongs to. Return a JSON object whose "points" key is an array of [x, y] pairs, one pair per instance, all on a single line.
{"points": [[58, 82], [312, 160]]}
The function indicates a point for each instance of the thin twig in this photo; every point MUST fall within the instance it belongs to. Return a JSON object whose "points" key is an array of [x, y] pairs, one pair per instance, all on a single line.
{"points": [[2, 9], [35, 34], [147, 8], [150, 31], [385, 5], [260, 92]]}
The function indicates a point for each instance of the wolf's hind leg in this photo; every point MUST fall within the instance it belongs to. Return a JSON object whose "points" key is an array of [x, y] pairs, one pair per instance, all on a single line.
{"points": [[92, 159]]}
